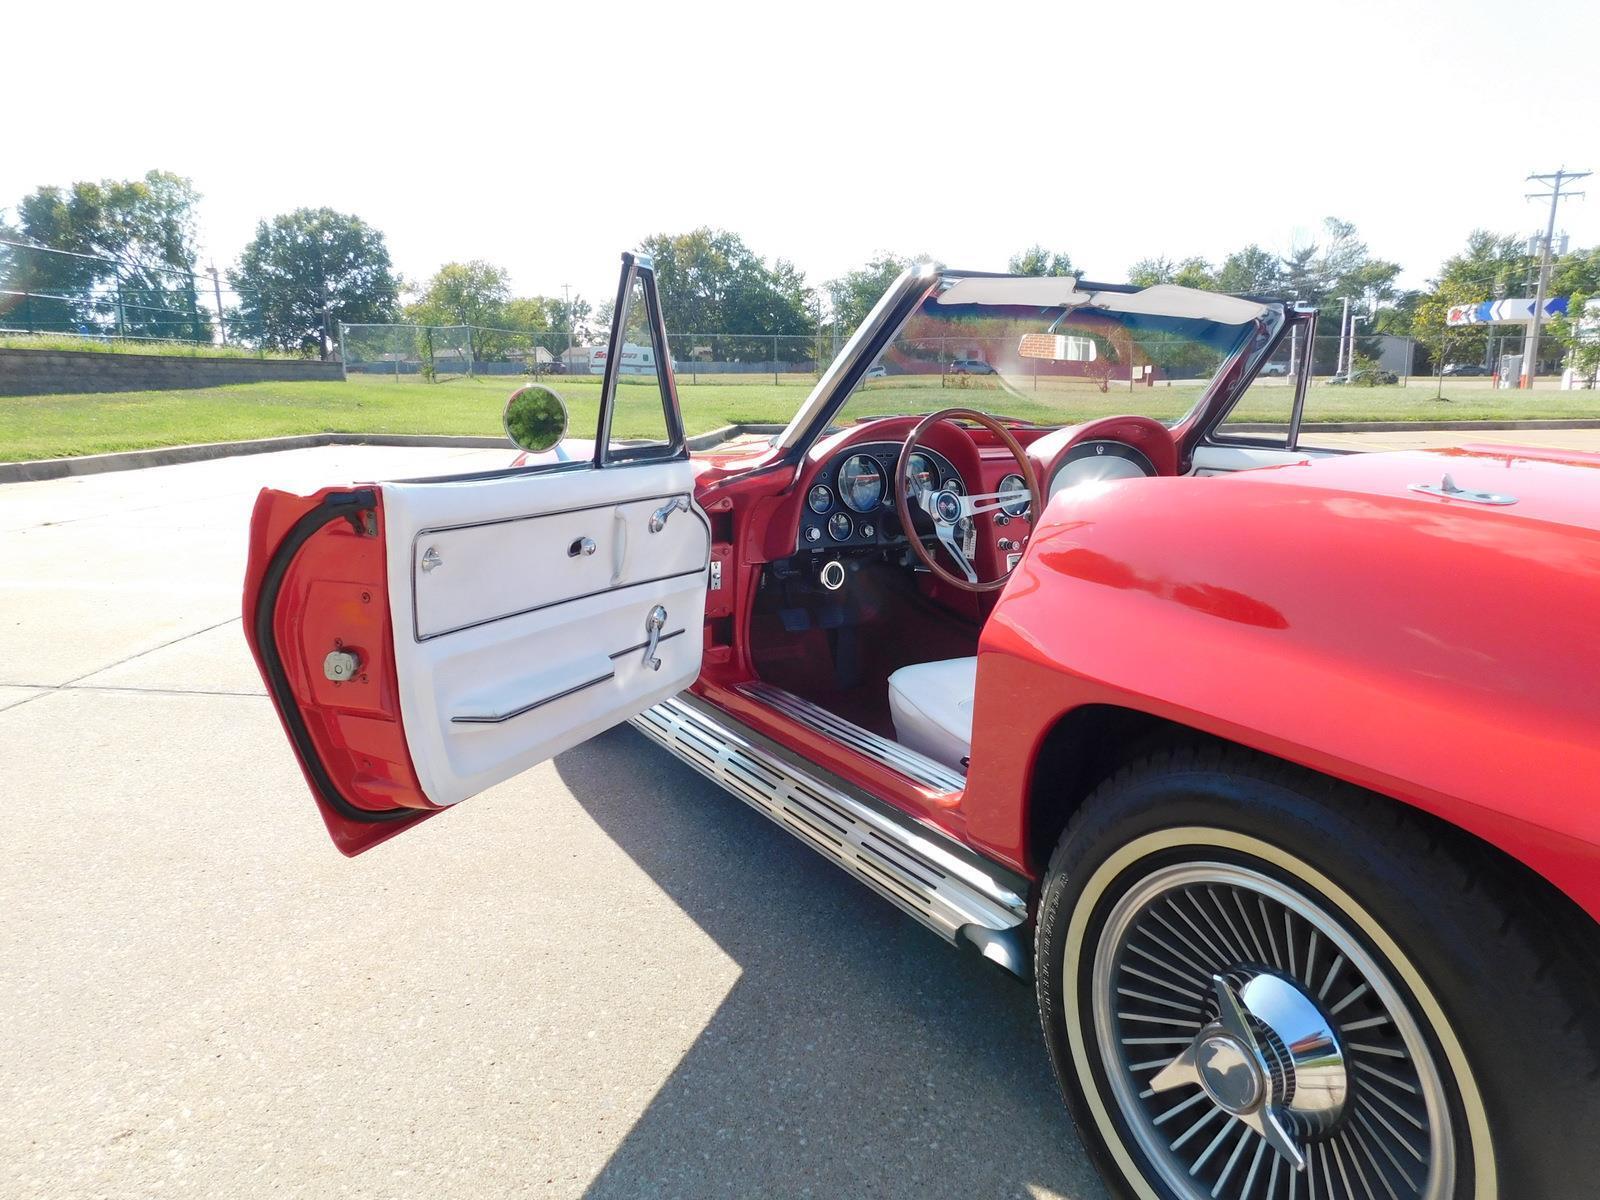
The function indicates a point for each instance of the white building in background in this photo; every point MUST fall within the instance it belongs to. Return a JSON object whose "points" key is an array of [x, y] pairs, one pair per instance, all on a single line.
{"points": [[1588, 331]]}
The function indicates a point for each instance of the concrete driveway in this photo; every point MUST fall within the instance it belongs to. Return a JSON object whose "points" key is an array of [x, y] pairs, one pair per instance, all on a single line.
{"points": [[605, 978]]}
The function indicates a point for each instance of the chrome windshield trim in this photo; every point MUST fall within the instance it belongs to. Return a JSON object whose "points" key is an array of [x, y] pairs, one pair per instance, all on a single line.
{"points": [[842, 374]]}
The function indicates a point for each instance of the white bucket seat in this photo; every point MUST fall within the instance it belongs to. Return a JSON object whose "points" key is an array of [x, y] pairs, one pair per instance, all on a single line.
{"points": [[931, 704]]}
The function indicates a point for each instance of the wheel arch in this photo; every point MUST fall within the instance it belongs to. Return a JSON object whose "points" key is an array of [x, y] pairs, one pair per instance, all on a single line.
{"points": [[1088, 744]]}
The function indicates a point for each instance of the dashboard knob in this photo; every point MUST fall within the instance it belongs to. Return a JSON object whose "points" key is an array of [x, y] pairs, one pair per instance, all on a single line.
{"points": [[813, 534]]}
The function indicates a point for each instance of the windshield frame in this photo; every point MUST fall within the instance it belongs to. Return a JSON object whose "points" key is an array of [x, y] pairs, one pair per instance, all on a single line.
{"points": [[904, 299]]}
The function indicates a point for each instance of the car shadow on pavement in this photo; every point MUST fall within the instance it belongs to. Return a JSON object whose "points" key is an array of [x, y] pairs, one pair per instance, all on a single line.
{"points": [[856, 1055]]}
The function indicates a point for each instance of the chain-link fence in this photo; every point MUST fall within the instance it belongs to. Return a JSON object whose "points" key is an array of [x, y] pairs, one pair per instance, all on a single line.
{"points": [[447, 351], [45, 291], [441, 352]]}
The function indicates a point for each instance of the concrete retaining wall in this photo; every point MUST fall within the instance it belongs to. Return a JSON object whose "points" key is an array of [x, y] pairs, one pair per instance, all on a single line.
{"points": [[44, 372]]}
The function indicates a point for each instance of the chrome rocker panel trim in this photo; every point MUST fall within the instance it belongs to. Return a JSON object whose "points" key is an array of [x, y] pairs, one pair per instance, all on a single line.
{"points": [[954, 898], [918, 768]]}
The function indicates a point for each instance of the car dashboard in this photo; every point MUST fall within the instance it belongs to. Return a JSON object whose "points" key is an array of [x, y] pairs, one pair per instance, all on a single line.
{"points": [[850, 502]]}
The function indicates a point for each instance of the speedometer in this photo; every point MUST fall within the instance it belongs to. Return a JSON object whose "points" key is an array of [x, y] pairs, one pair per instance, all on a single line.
{"points": [[861, 483], [921, 475]]}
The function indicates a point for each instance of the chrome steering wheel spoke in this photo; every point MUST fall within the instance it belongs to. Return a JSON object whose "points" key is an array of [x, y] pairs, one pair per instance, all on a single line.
{"points": [[952, 544], [987, 502]]}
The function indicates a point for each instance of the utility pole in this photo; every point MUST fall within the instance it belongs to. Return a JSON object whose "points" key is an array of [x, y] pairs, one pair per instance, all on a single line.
{"points": [[1342, 367], [216, 289], [1555, 181]]}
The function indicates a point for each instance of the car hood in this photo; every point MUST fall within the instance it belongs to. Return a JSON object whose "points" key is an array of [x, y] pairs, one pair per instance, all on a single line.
{"points": [[1553, 487]]}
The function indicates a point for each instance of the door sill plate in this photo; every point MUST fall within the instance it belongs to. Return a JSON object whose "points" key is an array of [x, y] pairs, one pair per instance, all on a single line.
{"points": [[918, 768], [953, 897]]}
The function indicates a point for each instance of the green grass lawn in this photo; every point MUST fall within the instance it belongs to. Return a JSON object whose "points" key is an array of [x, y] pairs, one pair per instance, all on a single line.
{"points": [[51, 426]]}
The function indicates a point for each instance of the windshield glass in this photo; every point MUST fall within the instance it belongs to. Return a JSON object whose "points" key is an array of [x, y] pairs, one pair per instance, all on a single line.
{"points": [[1070, 358]]}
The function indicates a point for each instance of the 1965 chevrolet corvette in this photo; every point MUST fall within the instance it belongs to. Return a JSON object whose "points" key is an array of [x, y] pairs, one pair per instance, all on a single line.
{"points": [[1274, 769]]}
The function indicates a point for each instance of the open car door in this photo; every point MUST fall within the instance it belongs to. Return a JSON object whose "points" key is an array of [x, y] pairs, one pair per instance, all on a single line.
{"points": [[425, 639]]}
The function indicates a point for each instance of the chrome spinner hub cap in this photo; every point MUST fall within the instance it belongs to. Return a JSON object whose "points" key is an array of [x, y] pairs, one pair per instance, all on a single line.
{"points": [[1269, 1058]]}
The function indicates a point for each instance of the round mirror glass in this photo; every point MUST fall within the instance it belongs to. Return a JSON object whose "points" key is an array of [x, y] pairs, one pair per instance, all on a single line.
{"points": [[536, 418]]}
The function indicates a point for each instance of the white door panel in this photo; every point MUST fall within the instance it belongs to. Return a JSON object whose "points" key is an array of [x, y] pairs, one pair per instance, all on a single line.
{"points": [[511, 649]]}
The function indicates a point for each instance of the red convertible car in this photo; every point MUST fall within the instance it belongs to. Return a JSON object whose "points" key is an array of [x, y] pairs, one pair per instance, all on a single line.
{"points": [[1274, 769]]}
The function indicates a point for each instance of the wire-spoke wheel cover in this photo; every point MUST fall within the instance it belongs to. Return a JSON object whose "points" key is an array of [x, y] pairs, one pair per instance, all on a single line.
{"points": [[1251, 1042]]}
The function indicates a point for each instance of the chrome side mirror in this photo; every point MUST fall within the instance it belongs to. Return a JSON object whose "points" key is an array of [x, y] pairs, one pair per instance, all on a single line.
{"points": [[536, 418]]}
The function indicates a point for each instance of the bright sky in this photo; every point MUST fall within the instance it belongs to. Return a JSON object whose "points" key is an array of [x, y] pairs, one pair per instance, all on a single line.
{"points": [[548, 137]]}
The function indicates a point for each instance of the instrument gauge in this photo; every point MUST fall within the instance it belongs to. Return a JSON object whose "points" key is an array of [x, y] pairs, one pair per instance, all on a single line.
{"points": [[921, 475], [1014, 496], [840, 527], [820, 498], [860, 483]]}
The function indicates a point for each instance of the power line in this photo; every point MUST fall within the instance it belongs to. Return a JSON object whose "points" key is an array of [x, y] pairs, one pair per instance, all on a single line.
{"points": [[1555, 182]]}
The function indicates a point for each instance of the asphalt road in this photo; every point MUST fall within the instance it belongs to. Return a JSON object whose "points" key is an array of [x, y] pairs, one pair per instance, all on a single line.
{"points": [[605, 978]]}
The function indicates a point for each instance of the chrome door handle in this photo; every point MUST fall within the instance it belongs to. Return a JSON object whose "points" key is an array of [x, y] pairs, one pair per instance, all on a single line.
{"points": [[658, 520], [653, 625]]}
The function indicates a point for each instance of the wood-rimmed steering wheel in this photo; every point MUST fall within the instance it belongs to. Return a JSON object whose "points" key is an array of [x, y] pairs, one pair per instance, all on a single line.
{"points": [[948, 508]]}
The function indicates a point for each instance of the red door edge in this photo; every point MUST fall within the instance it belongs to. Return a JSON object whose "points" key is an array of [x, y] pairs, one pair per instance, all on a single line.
{"points": [[316, 565]]}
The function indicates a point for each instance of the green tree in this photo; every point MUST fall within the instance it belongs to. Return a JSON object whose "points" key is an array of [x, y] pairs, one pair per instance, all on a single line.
{"points": [[1328, 272], [1191, 272], [1251, 271], [469, 293], [852, 295], [1195, 273], [1036, 260], [474, 294], [1576, 274], [710, 282], [1491, 266], [1148, 272], [1443, 342], [143, 233], [306, 270]]}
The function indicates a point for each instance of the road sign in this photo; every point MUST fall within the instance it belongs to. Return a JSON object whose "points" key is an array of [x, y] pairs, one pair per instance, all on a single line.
{"points": [[1503, 312]]}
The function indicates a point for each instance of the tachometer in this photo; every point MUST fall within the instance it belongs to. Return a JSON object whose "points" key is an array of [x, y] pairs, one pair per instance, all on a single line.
{"points": [[1014, 497], [861, 483]]}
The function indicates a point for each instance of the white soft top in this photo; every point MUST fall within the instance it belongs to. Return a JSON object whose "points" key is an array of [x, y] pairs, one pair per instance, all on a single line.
{"points": [[1060, 291]]}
